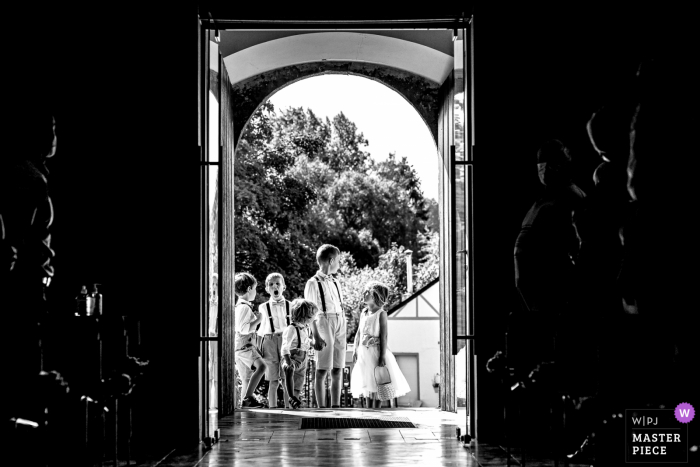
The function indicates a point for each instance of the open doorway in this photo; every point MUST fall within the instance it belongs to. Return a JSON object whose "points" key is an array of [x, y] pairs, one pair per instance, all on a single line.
{"points": [[454, 172], [345, 160]]}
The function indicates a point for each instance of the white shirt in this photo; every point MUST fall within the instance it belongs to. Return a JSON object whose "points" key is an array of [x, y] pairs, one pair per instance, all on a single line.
{"points": [[244, 315], [330, 293], [289, 339], [279, 316]]}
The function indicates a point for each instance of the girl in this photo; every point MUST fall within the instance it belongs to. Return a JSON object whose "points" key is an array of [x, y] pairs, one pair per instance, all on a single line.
{"points": [[370, 346]]}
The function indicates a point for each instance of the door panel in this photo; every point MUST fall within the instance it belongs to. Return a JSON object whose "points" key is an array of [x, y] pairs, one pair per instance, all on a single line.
{"points": [[457, 245], [445, 155], [227, 254], [409, 367]]}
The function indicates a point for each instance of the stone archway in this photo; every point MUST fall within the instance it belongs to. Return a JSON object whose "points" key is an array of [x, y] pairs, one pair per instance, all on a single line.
{"points": [[266, 63], [248, 94]]}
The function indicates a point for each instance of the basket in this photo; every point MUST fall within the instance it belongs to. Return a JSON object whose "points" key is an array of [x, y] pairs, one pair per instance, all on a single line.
{"points": [[385, 389]]}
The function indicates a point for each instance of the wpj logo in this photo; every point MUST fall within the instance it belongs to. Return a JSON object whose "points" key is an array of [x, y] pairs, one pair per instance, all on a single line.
{"points": [[655, 436]]}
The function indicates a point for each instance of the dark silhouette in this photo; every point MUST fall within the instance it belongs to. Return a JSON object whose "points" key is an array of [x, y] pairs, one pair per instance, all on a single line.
{"points": [[594, 350], [656, 291], [545, 251], [27, 214], [632, 237]]}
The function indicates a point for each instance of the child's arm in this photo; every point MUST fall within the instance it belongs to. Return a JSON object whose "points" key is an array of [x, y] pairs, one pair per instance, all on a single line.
{"points": [[319, 343], [287, 342], [257, 317], [382, 338], [357, 342], [311, 294]]}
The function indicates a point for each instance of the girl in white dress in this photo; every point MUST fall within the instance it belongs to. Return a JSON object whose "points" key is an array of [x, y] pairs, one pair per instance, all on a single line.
{"points": [[371, 346]]}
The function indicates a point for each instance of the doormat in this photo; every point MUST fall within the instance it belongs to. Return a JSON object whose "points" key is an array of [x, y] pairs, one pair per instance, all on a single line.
{"points": [[327, 423]]}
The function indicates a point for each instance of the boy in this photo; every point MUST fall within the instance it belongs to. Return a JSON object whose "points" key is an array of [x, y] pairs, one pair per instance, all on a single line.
{"points": [[275, 319], [329, 327], [295, 345], [247, 355]]}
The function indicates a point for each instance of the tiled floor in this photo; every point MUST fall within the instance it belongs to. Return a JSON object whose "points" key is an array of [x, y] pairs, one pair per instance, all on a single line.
{"points": [[262, 437]]}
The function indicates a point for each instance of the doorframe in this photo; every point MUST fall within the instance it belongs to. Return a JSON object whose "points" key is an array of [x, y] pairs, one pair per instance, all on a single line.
{"points": [[467, 165], [465, 22]]}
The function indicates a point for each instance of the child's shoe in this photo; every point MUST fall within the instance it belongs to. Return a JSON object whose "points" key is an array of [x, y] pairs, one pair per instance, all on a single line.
{"points": [[251, 403], [294, 402]]}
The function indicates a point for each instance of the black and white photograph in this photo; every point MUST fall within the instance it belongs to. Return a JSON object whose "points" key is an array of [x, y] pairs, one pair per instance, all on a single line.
{"points": [[431, 235]]}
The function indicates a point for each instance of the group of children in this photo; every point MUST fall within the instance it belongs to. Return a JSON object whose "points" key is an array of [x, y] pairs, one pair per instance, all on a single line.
{"points": [[275, 340]]}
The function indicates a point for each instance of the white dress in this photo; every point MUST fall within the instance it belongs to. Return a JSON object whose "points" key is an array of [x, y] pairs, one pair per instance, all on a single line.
{"points": [[362, 381]]}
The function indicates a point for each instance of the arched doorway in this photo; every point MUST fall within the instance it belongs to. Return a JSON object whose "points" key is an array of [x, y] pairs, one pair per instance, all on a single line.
{"points": [[454, 136]]}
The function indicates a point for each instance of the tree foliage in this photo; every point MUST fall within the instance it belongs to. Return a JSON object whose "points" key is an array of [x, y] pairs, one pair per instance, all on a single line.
{"points": [[302, 181]]}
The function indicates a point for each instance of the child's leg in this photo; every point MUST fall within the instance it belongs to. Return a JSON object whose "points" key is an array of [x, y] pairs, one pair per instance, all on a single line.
{"points": [[299, 377], [286, 390], [270, 346], [244, 386], [272, 393], [255, 377], [336, 385], [327, 326], [282, 373], [244, 373], [288, 383], [339, 345], [319, 388]]}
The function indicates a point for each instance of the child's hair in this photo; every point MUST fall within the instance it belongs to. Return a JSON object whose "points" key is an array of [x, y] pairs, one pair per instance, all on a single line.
{"points": [[274, 275], [325, 252], [303, 310], [242, 281], [379, 291]]}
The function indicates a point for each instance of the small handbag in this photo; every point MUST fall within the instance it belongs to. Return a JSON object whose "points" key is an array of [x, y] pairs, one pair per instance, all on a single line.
{"points": [[385, 388]]}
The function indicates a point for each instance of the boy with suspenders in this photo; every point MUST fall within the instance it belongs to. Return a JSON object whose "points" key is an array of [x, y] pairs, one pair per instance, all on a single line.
{"points": [[329, 327], [276, 317], [295, 346]]}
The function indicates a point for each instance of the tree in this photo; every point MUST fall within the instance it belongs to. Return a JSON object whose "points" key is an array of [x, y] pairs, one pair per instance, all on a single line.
{"points": [[353, 281], [408, 184], [428, 267], [433, 222], [270, 204], [301, 181], [344, 152], [391, 271], [404, 175]]}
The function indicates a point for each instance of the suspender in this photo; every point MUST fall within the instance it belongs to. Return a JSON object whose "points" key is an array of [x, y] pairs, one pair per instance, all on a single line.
{"points": [[340, 297], [323, 297], [299, 335], [298, 338], [269, 315]]}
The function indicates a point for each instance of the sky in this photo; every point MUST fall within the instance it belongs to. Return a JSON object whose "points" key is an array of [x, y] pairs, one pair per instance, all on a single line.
{"points": [[387, 120]]}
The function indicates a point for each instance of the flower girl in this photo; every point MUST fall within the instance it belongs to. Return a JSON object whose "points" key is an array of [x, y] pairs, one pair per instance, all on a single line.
{"points": [[371, 346]]}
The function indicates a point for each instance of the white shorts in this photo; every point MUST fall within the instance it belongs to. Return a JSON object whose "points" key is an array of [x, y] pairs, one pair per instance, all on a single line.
{"points": [[332, 328]]}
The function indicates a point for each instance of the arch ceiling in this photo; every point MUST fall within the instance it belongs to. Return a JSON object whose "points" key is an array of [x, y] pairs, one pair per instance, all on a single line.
{"points": [[409, 56]]}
